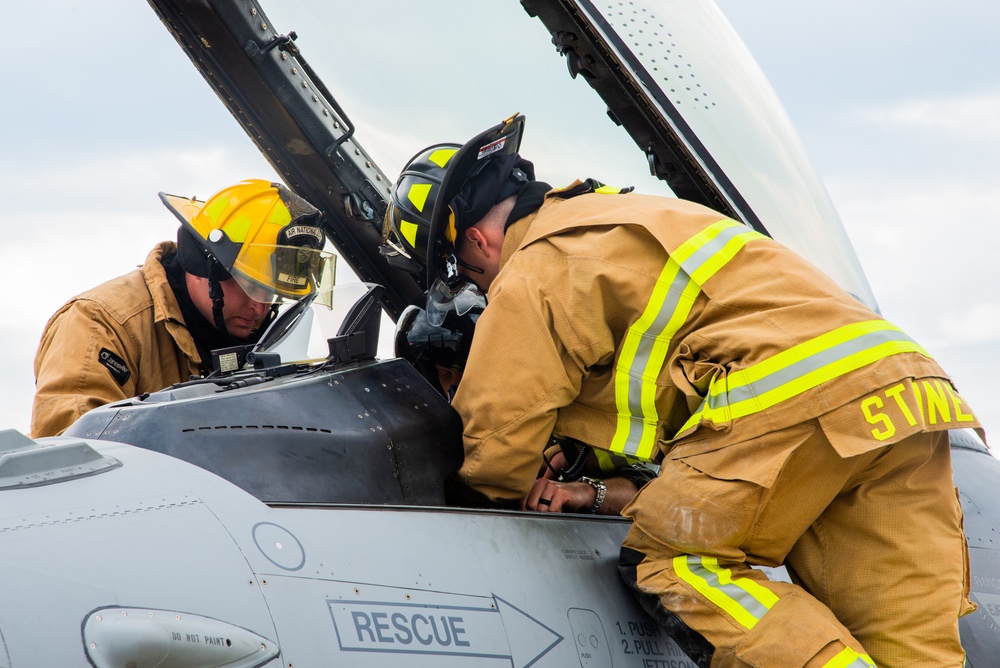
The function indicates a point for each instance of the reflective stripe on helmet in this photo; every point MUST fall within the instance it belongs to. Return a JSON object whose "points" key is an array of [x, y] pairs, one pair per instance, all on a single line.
{"points": [[214, 208], [645, 347], [237, 228], [418, 195], [441, 156], [801, 368], [409, 232], [743, 599]]}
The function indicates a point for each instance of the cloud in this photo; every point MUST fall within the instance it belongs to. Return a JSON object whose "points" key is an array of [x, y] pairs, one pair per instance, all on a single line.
{"points": [[918, 196], [974, 116], [929, 251], [115, 181], [96, 217], [979, 324]]}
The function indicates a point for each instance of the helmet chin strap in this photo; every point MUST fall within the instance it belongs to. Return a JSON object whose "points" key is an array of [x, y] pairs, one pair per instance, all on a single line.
{"points": [[470, 267], [215, 277], [218, 303], [272, 313], [216, 295], [215, 292]]}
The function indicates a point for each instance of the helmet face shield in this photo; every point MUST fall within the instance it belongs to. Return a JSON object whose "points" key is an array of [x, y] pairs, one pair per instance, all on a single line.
{"points": [[268, 272]]}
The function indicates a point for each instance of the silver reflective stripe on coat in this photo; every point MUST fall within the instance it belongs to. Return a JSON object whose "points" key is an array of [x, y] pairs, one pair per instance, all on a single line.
{"points": [[644, 349]]}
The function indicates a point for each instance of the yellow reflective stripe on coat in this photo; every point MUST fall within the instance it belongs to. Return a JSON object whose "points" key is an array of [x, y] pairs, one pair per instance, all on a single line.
{"points": [[645, 347], [801, 368], [743, 599], [848, 658], [608, 462], [611, 190]]}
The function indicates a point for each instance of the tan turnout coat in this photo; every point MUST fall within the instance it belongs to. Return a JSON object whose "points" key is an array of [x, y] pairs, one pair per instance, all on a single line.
{"points": [[587, 282], [132, 321]]}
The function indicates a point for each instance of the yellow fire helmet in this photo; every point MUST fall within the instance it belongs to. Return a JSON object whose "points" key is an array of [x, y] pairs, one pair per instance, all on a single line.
{"points": [[263, 235]]}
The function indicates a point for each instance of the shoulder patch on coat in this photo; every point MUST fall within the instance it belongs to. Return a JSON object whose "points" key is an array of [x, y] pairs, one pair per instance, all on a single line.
{"points": [[116, 365]]}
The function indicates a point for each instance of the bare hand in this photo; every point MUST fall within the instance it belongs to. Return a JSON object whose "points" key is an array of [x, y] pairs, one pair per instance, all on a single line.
{"points": [[549, 496]]}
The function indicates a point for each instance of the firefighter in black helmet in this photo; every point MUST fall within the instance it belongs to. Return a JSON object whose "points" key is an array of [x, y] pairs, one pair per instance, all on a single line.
{"points": [[443, 190], [792, 423]]}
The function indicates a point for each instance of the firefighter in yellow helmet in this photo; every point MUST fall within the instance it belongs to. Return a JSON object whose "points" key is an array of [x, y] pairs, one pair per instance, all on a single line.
{"points": [[237, 254], [792, 424]]}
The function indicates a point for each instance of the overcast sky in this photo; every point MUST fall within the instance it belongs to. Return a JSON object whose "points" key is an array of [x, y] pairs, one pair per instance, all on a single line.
{"points": [[897, 103]]}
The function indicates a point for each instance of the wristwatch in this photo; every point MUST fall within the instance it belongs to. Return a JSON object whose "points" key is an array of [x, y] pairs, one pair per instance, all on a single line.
{"points": [[600, 488]]}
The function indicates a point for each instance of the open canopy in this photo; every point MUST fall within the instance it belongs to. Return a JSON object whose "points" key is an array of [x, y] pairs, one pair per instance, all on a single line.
{"points": [[673, 74]]}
